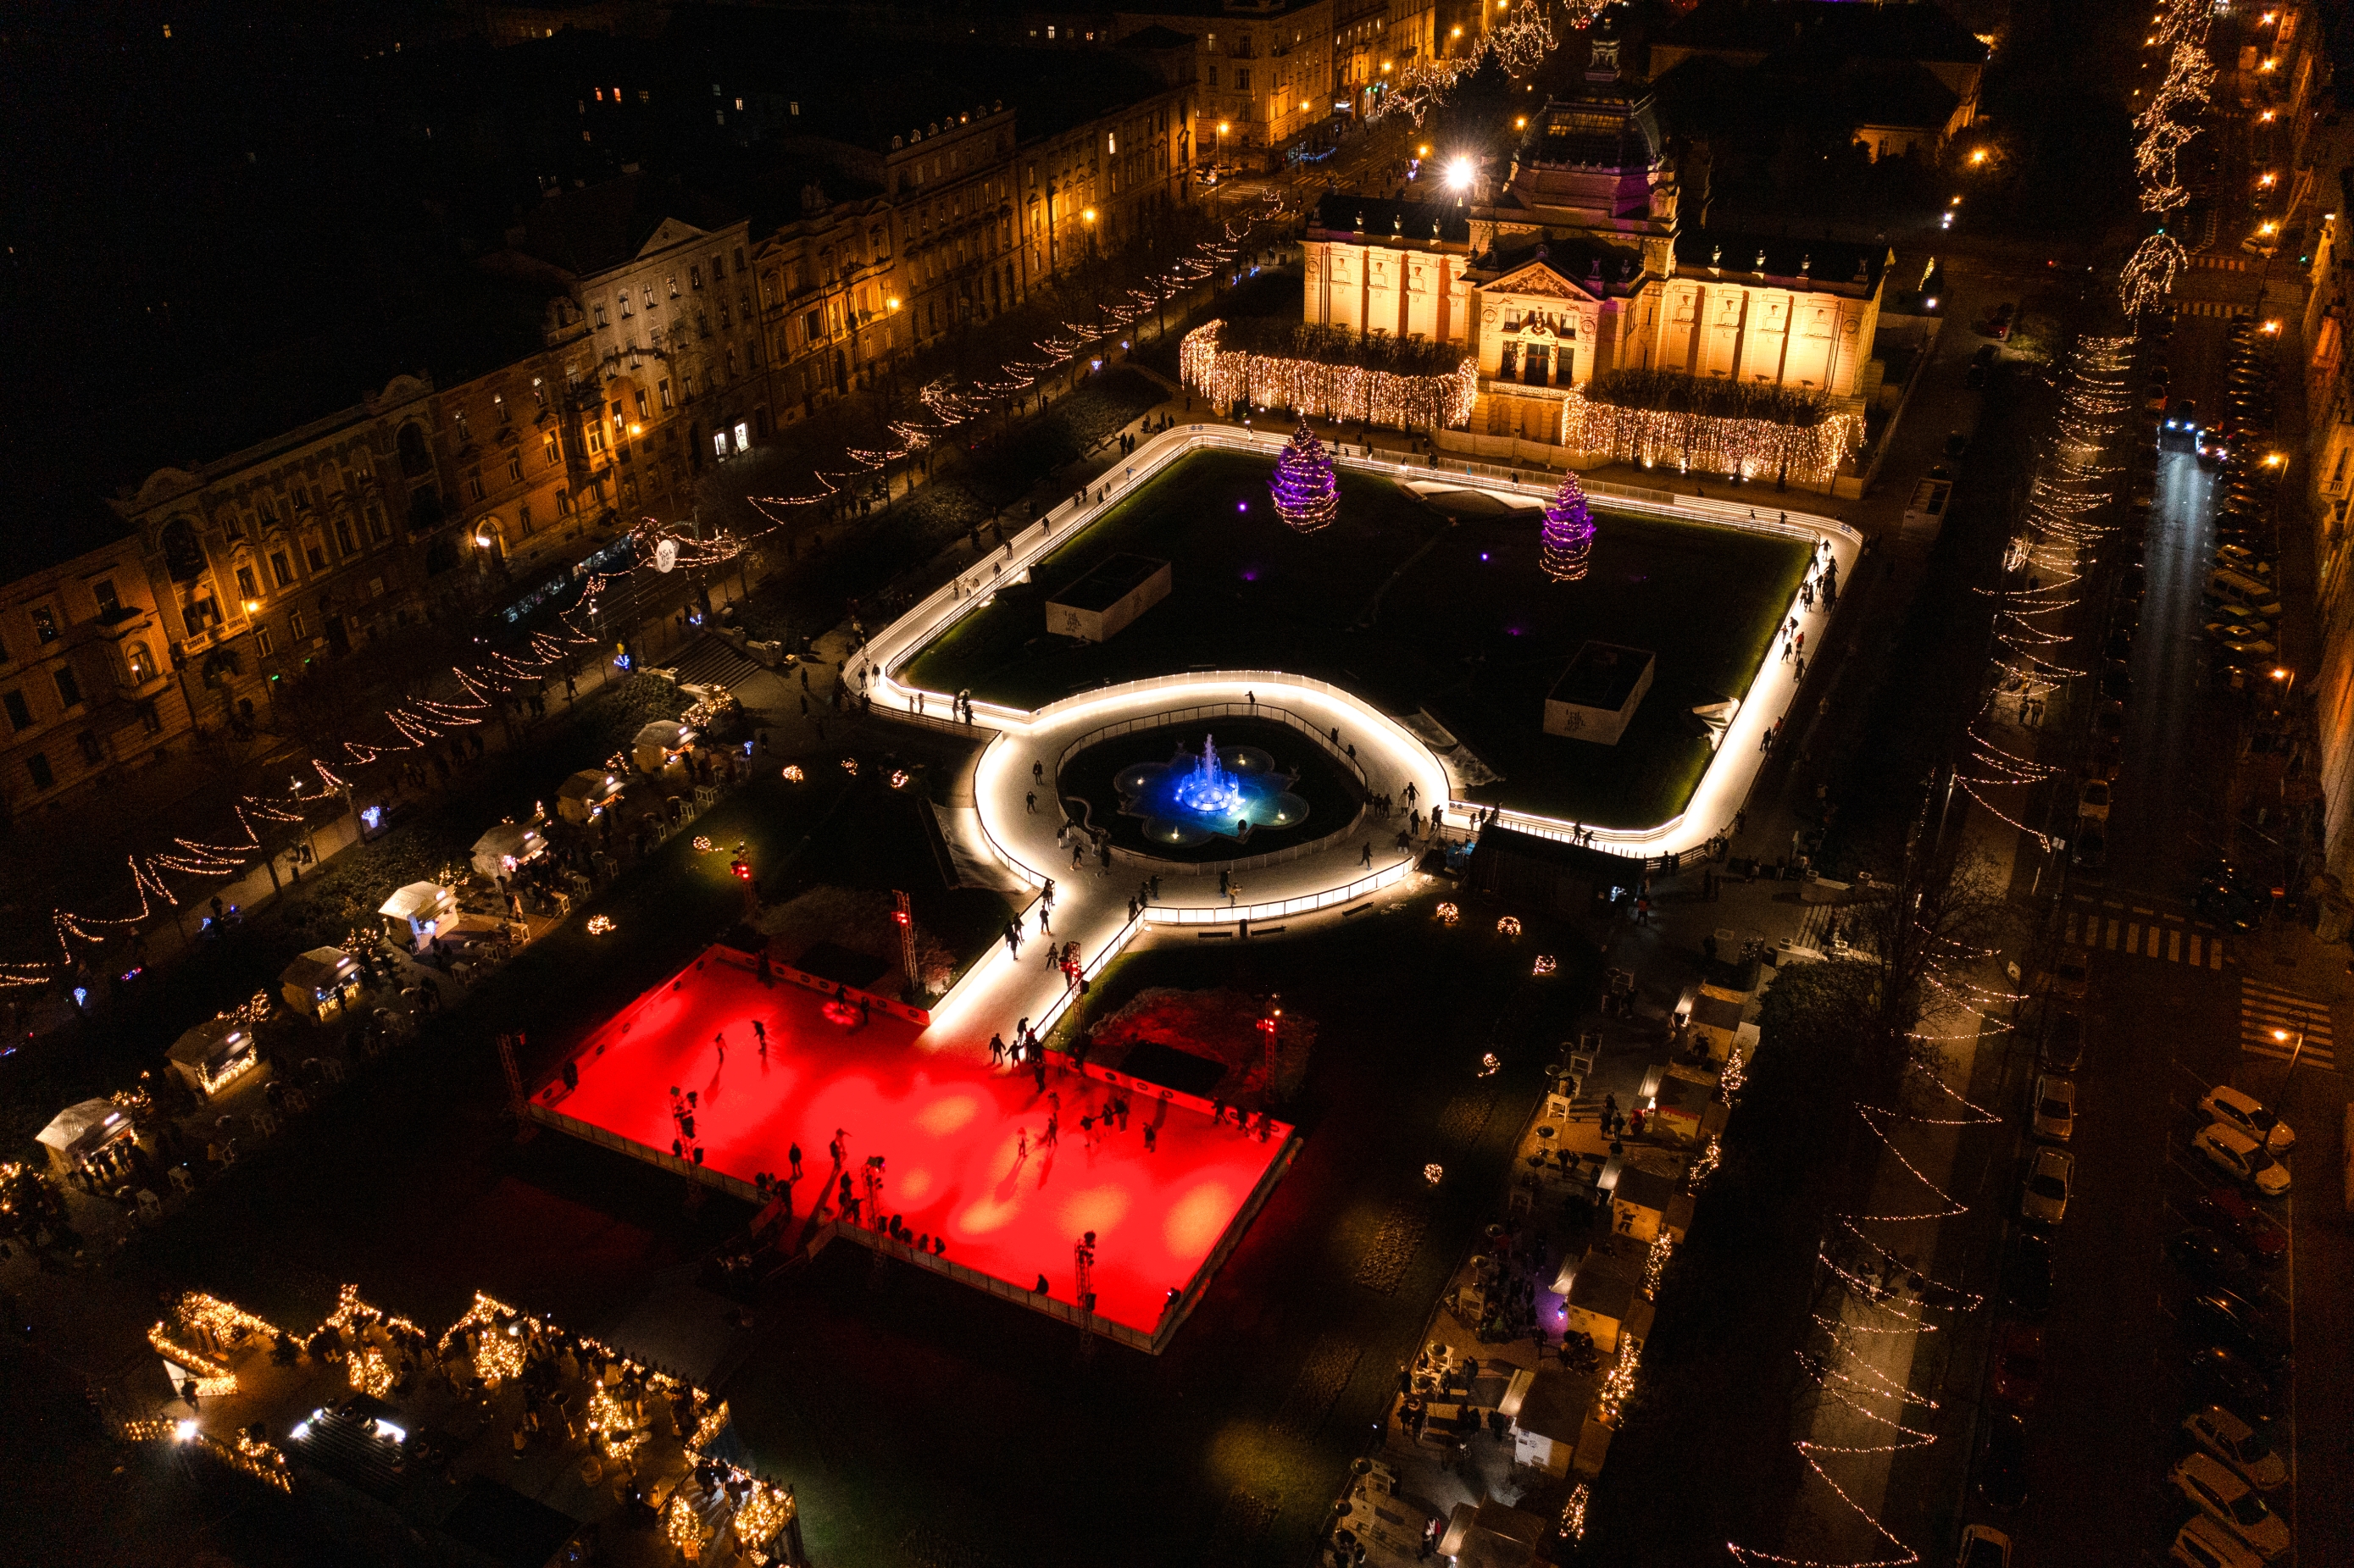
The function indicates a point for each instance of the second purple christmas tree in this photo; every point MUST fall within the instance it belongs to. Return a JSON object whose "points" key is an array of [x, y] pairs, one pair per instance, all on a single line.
{"points": [[1568, 537], [1307, 494]]}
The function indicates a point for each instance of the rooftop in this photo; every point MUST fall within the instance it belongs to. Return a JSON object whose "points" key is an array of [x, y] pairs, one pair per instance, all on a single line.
{"points": [[1921, 32], [1832, 265], [1338, 212]]}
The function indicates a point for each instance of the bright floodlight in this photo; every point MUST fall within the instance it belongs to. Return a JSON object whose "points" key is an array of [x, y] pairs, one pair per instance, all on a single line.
{"points": [[1459, 174]]}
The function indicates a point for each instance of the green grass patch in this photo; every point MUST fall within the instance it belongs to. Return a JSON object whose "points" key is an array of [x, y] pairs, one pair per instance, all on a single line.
{"points": [[1434, 605]]}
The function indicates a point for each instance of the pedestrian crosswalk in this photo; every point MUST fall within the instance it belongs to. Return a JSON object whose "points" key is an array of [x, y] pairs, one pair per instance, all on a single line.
{"points": [[2221, 263], [2211, 308], [2284, 1026], [2140, 934]]}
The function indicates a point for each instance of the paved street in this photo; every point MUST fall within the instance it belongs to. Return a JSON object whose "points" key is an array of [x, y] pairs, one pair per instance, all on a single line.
{"points": [[2175, 1007]]}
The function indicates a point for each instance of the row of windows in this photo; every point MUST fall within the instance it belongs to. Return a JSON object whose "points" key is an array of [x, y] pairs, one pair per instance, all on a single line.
{"points": [[693, 282], [93, 755]]}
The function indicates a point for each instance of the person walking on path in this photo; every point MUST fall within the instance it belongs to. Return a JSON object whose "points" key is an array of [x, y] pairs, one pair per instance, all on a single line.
{"points": [[1052, 1135], [760, 1033], [1020, 1145], [1151, 1138], [794, 1156], [996, 1050], [1367, 858], [720, 1040], [1031, 800]]}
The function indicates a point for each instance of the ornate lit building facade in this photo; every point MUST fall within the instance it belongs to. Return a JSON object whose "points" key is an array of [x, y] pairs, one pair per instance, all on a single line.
{"points": [[1579, 266]]}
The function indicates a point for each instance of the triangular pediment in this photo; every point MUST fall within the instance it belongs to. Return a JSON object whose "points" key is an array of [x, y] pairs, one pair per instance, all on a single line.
{"points": [[673, 231], [1539, 277]]}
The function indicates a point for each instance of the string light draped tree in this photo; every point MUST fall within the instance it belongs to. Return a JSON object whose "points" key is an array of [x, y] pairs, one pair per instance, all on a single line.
{"points": [[1568, 537], [1307, 496]]}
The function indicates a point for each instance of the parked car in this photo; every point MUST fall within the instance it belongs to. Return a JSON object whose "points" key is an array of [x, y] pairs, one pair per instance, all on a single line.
{"points": [[2093, 800], [2027, 1283], [2055, 1108], [2069, 973], [2090, 848], [2063, 1041], [2048, 1181], [2246, 1449], [2212, 1486], [2228, 1212], [2237, 1324], [1984, 1546], [2018, 1366], [2204, 1255], [2244, 1114], [2002, 1463], [2203, 1543], [2231, 1378], [1956, 443], [2235, 1154]]}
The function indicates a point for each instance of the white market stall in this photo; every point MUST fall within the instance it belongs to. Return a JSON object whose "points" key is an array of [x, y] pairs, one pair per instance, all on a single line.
{"points": [[585, 796], [507, 848], [320, 982], [214, 1055], [418, 913], [86, 1136], [659, 744]]}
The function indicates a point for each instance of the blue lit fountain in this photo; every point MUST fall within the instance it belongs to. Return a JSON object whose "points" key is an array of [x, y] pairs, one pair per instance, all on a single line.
{"points": [[1226, 792], [1210, 790]]}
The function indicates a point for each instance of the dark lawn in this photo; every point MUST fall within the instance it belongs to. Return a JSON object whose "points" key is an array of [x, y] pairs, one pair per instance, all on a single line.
{"points": [[1410, 610], [1330, 790], [875, 839]]}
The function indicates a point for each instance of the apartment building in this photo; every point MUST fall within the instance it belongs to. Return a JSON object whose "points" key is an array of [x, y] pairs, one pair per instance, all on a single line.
{"points": [[829, 301], [666, 371], [86, 682], [293, 549]]}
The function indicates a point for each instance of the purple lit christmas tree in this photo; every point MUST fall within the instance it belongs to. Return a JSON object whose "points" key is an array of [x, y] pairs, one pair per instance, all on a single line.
{"points": [[1307, 496], [1568, 537]]}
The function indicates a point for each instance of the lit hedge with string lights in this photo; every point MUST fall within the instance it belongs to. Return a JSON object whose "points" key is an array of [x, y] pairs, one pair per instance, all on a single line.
{"points": [[1331, 373], [1665, 419]]}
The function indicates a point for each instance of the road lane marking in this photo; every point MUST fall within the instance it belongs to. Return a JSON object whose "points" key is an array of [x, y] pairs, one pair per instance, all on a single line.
{"points": [[2174, 947], [2133, 937], [2194, 949], [2072, 927], [2112, 937], [2268, 1011]]}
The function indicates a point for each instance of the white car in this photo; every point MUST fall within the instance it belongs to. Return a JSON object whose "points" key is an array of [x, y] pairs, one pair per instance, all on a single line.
{"points": [[2238, 1444], [2247, 1116], [2093, 800], [2236, 1155], [2048, 1181], [2211, 1487], [2203, 1543], [2055, 1108], [1984, 1546]]}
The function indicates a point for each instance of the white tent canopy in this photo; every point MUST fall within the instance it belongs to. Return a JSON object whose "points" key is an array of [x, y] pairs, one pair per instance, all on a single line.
{"points": [[78, 1126], [418, 900], [658, 742], [321, 968], [584, 794], [500, 851]]}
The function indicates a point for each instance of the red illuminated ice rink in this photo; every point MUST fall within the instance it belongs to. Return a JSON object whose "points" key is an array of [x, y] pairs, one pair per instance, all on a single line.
{"points": [[950, 1127]]}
